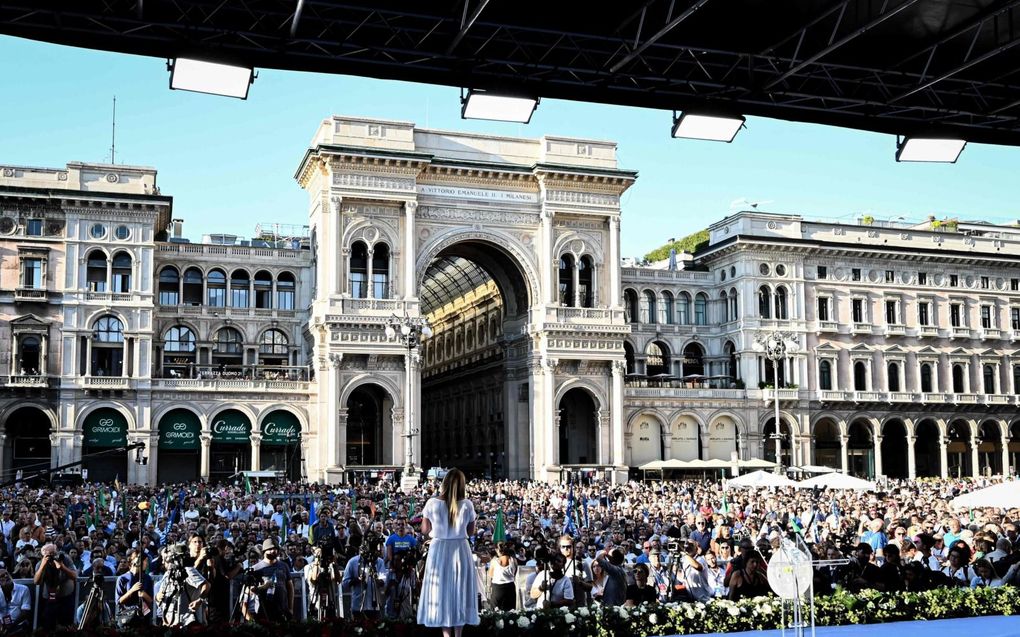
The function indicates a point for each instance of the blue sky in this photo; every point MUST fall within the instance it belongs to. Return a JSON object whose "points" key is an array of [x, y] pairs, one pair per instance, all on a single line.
{"points": [[229, 164]]}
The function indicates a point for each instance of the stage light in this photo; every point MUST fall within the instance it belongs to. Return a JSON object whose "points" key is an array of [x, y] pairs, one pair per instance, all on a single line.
{"points": [[929, 149], [479, 104], [715, 128], [188, 74]]}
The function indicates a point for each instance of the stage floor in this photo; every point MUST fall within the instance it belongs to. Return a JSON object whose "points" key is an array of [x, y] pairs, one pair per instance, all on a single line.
{"points": [[994, 626]]}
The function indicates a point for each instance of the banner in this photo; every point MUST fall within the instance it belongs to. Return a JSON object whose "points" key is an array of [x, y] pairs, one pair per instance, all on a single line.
{"points": [[281, 428], [232, 427], [179, 429], [104, 428]]}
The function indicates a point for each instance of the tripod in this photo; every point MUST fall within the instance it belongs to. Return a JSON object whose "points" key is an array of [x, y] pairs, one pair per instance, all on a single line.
{"points": [[247, 593], [369, 575], [324, 595], [92, 613]]}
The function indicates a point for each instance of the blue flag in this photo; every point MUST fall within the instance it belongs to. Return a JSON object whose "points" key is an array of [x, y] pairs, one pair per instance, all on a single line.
{"points": [[569, 528], [313, 517], [584, 505]]}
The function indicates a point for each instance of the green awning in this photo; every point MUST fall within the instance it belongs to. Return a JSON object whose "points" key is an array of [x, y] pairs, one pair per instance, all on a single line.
{"points": [[104, 427], [179, 429], [281, 428], [232, 427]]}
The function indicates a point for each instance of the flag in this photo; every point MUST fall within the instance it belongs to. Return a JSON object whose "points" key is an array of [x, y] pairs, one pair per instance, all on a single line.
{"points": [[584, 504], [569, 528], [386, 507], [499, 533], [116, 482], [247, 485], [796, 525], [313, 517], [520, 515], [371, 508], [411, 511], [102, 498], [283, 528], [725, 505]]}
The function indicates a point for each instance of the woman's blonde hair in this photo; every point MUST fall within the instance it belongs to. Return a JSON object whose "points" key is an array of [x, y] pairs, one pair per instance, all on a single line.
{"points": [[453, 490]]}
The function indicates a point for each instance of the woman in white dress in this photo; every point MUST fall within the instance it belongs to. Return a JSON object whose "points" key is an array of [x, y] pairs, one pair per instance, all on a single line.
{"points": [[449, 592]]}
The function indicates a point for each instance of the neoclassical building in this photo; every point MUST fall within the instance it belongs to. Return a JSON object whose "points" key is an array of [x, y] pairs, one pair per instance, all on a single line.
{"points": [[548, 354]]}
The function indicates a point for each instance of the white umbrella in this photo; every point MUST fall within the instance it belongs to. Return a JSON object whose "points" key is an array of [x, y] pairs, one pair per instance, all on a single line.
{"points": [[836, 481], [761, 479], [811, 468], [755, 463], [1000, 496]]}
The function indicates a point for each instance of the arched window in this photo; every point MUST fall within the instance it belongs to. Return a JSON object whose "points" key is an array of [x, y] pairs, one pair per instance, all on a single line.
{"points": [[95, 271], [179, 339], [724, 306], [567, 280], [701, 309], [825, 375], [381, 271], [764, 303], [958, 387], [668, 310], [178, 352], [989, 379], [628, 355], [860, 376], [781, 303], [169, 286], [926, 384], [192, 286], [1016, 379], [273, 348], [694, 361], [734, 314], [239, 284], [228, 341], [216, 286], [893, 376], [285, 291], [359, 270], [585, 272], [107, 347], [263, 290], [631, 303], [683, 308], [652, 315], [122, 272], [656, 359]]}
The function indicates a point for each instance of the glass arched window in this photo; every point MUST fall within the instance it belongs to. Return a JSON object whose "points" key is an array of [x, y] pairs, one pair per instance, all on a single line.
{"points": [[926, 384], [958, 386], [781, 303], [585, 272], [122, 272], [893, 376], [359, 270], [693, 362], [989, 379], [285, 291], [179, 339], [381, 271], [240, 283], [656, 359], [825, 375], [178, 352], [229, 341], [192, 286], [107, 347], [764, 303], [566, 280], [683, 308], [668, 309], [860, 376], [273, 348], [216, 286], [631, 305], [95, 271], [651, 309], [169, 286], [701, 310], [108, 329], [263, 290]]}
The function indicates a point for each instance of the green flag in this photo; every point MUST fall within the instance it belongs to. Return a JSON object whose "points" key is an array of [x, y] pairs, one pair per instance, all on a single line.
{"points": [[499, 533], [725, 505], [411, 511], [102, 498], [247, 485]]}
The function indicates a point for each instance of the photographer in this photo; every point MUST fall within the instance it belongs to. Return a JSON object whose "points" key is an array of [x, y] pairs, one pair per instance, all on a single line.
{"points": [[134, 592], [183, 590], [226, 568], [323, 577], [553, 589], [276, 592], [361, 578], [502, 575], [15, 606], [56, 577]]}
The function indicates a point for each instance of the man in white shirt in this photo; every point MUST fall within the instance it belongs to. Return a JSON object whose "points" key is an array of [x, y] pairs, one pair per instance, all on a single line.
{"points": [[6, 525], [15, 605], [554, 581]]}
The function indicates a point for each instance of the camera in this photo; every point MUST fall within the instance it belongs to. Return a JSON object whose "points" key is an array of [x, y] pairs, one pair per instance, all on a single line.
{"points": [[673, 547], [542, 553], [251, 577]]}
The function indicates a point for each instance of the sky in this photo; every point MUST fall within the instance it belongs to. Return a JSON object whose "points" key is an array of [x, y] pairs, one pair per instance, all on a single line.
{"points": [[229, 164]]}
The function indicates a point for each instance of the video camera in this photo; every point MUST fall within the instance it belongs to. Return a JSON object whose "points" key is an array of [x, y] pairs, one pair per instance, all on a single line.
{"points": [[543, 554]]}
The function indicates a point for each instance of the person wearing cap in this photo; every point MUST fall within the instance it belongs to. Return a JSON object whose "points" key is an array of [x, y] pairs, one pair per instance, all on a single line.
{"points": [[276, 592]]}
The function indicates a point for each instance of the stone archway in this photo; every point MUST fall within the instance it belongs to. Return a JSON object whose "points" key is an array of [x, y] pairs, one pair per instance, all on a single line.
{"points": [[958, 449], [578, 428], [894, 449], [860, 449], [368, 411], [927, 457], [828, 449], [27, 440]]}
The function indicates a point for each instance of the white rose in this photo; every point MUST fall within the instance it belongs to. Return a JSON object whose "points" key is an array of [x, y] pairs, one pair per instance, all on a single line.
{"points": [[733, 611], [583, 612], [523, 622], [653, 619], [499, 624], [623, 612], [569, 618]]}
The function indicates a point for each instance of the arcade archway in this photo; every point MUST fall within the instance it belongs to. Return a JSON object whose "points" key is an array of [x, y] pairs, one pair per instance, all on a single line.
{"points": [[368, 413], [927, 457], [894, 449], [578, 428], [27, 440], [769, 441]]}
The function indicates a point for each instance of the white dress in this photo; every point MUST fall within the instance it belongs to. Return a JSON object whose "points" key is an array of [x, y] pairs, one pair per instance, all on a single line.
{"points": [[449, 591]]}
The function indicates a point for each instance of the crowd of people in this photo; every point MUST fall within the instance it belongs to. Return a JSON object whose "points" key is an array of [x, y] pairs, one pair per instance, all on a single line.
{"points": [[180, 551]]}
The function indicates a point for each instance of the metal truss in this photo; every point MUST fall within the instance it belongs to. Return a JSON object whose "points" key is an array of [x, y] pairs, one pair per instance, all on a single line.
{"points": [[892, 66]]}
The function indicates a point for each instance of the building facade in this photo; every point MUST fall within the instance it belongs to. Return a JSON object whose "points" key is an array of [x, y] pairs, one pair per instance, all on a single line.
{"points": [[547, 352]]}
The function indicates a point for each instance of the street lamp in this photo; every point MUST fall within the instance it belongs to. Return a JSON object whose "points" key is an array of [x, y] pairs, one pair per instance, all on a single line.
{"points": [[410, 331], [776, 345]]}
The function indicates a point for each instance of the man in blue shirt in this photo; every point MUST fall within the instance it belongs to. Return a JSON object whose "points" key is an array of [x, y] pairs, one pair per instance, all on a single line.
{"points": [[399, 541]]}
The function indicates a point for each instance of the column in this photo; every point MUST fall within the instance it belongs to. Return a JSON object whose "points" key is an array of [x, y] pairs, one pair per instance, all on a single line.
{"points": [[44, 358], [206, 440], [614, 262], [943, 457], [844, 455], [88, 356], [341, 437], [975, 470], [1004, 442], [576, 278], [911, 457], [617, 412], [371, 291], [550, 413], [878, 455], [408, 255], [256, 452], [336, 416], [548, 262]]}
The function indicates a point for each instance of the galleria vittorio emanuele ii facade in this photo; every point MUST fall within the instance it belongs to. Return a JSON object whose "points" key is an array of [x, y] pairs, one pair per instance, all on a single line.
{"points": [[549, 352]]}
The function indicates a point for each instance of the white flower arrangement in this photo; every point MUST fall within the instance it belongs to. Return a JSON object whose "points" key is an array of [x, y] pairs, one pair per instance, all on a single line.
{"points": [[523, 622], [569, 618]]}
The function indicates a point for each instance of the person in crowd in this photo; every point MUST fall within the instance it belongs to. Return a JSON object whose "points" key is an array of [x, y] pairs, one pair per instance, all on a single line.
{"points": [[576, 569], [400, 540], [598, 581], [15, 606], [984, 575], [56, 579], [750, 580], [693, 572], [640, 592], [553, 589], [450, 585], [502, 578], [890, 578], [958, 567], [861, 572], [276, 592], [614, 593], [134, 590]]}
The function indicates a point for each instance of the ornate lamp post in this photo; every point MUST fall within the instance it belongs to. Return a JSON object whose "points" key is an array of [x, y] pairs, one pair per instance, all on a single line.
{"points": [[410, 331], [776, 345]]}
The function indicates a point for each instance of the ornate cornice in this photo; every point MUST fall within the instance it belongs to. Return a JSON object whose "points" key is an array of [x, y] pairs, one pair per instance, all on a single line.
{"points": [[473, 215]]}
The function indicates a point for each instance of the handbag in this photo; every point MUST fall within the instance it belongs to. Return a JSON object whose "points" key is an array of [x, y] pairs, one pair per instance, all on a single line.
{"points": [[128, 617]]}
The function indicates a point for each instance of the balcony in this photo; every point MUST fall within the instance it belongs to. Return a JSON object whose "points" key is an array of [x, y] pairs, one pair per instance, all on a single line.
{"points": [[933, 398], [869, 396], [105, 382], [928, 331], [834, 396], [230, 384], [895, 330], [25, 380], [828, 326], [30, 295], [959, 332], [860, 328], [220, 311], [902, 397], [106, 297], [276, 255], [989, 333], [680, 392], [967, 399], [997, 399], [588, 315], [1016, 334]]}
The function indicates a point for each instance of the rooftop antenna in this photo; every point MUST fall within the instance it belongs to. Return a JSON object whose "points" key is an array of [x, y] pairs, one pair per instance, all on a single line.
{"points": [[113, 138]]}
